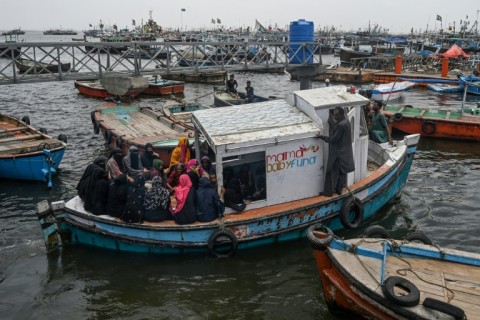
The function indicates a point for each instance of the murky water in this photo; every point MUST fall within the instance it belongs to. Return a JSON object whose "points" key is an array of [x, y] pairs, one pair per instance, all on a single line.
{"points": [[277, 282]]}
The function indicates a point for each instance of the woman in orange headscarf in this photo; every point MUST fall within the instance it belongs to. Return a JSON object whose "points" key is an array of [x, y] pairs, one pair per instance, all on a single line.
{"points": [[181, 154]]}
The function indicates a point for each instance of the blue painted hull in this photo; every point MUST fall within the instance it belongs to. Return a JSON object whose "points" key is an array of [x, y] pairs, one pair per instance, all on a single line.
{"points": [[30, 167], [80, 228]]}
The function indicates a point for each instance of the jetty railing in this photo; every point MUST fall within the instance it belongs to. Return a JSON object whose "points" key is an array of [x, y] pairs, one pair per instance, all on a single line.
{"points": [[95, 60]]}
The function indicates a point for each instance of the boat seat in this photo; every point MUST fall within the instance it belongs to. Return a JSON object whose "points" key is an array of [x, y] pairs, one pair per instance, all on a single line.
{"points": [[21, 138], [22, 147], [13, 130]]}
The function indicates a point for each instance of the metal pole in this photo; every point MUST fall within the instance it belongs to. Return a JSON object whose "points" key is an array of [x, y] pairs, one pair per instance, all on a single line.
{"points": [[464, 96]]}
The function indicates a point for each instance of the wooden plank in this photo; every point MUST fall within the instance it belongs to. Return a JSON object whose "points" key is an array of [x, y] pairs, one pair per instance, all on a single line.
{"points": [[13, 130], [21, 138]]}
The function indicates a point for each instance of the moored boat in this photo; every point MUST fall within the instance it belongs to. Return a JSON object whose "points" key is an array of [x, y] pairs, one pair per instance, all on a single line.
{"points": [[444, 87], [221, 98], [212, 77], [32, 66], [390, 91], [392, 279], [164, 87], [27, 153], [436, 123], [279, 141], [94, 88], [125, 125]]}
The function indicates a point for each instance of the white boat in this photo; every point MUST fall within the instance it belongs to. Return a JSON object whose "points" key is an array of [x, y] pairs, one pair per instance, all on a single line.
{"points": [[391, 91]]}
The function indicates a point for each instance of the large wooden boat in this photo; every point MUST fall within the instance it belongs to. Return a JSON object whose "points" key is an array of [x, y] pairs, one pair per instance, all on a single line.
{"points": [[27, 153], [125, 125], [94, 88], [376, 278], [211, 77], [221, 98], [162, 87], [436, 123], [32, 66], [279, 141]]}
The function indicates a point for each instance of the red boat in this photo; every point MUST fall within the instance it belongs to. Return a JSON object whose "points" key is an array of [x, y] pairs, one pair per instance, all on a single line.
{"points": [[436, 123], [164, 87], [95, 89]]}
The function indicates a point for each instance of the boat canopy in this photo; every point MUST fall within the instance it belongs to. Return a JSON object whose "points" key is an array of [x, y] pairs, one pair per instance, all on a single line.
{"points": [[454, 52]]}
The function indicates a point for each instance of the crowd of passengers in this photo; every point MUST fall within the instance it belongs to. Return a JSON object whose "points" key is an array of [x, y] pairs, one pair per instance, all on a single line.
{"points": [[138, 187]]}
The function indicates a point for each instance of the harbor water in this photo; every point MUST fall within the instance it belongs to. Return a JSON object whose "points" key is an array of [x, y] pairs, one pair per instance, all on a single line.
{"points": [[274, 282]]}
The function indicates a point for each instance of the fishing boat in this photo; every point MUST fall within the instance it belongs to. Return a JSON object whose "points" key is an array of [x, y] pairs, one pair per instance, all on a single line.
{"points": [[32, 66], [162, 87], [436, 123], [125, 125], [27, 153], [279, 141], [377, 278], [94, 88], [390, 91], [221, 98], [211, 77]]}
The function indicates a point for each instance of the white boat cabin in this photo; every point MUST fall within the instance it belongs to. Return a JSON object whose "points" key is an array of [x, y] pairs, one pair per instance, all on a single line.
{"points": [[279, 141]]}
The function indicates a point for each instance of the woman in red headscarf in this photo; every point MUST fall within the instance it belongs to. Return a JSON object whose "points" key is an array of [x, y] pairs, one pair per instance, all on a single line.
{"points": [[184, 211], [181, 154]]}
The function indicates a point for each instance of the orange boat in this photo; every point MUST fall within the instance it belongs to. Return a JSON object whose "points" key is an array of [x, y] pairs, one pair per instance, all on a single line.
{"points": [[93, 88], [164, 87], [436, 123]]}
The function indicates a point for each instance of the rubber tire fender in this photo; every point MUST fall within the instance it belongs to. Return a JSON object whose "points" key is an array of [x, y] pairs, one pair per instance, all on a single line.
{"points": [[355, 204], [419, 236], [108, 136], [96, 128], [429, 127], [409, 300], [376, 231], [222, 233], [92, 116], [444, 307], [62, 137], [43, 130], [321, 243], [26, 120], [398, 116]]}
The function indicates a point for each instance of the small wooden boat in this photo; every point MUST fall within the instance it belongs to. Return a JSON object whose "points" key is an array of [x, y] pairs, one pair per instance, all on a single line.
{"points": [[222, 99], [162, 87], [376, 278], [181, 112], [278, 141], [125, 125], [390, 91], [436, 123], [27, 153], [32, 66], [212, 77], [94, 88]]}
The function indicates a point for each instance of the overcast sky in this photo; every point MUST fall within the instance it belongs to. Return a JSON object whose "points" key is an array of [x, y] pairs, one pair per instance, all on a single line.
{"points": [[397, 16]]}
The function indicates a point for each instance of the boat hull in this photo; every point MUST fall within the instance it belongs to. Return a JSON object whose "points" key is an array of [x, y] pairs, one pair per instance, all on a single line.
{"points": [[166, 89], [29, 167], [260, 227]]}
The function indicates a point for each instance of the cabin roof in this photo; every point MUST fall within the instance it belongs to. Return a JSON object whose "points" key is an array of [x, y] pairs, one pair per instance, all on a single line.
{"points": [[330, 97], [254, 122]]}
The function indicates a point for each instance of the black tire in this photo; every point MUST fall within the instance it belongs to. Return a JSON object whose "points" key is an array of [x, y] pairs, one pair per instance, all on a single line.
{"points": [[96, 128], [43, 130], [398, 116], [92, 116], [419, 236], [62, 137], [409, 300], [319, 242], [429, 127], [108, 136], [444, 307], [213, 241], [26, 120], [376, 231], [119, 143], [351, 204]]}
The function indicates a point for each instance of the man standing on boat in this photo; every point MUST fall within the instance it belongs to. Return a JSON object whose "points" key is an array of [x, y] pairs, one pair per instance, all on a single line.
{"points": [[340, 155], [378, 129]]}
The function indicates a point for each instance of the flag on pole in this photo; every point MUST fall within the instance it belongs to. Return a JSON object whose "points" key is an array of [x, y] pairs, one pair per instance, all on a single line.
{"points": [[439, 18], [183, 10], [90, 25], [259, 26], [219, 21], [133, 22], [213, 21]]}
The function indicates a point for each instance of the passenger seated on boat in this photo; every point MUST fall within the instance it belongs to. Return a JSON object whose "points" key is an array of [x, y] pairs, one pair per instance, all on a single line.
{"points": [[231, 86], [117, 196], [159, 170], [157, 202], [148, 156], [209, 205], [193, 171], [132, 162], [181, 154], [114, 164], [233, 191], [96, 183], [249, 92], [213, 180], [84, 180], [207, 166], [340, 154], [174, 178], [100, 195], [184, 211], [379, 130], [247, 182], [134, 210]]}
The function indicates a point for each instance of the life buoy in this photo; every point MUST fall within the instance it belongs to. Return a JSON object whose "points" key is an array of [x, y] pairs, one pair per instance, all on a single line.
{"points": [[419, 236], [444, 307], [108, 136], [412, 298], [26, 120], [43, 130], [62, 137], [398, 116], [322, 243], [216, 239], [376, 231], [96, 128], [428, 127], [351, 204]]}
